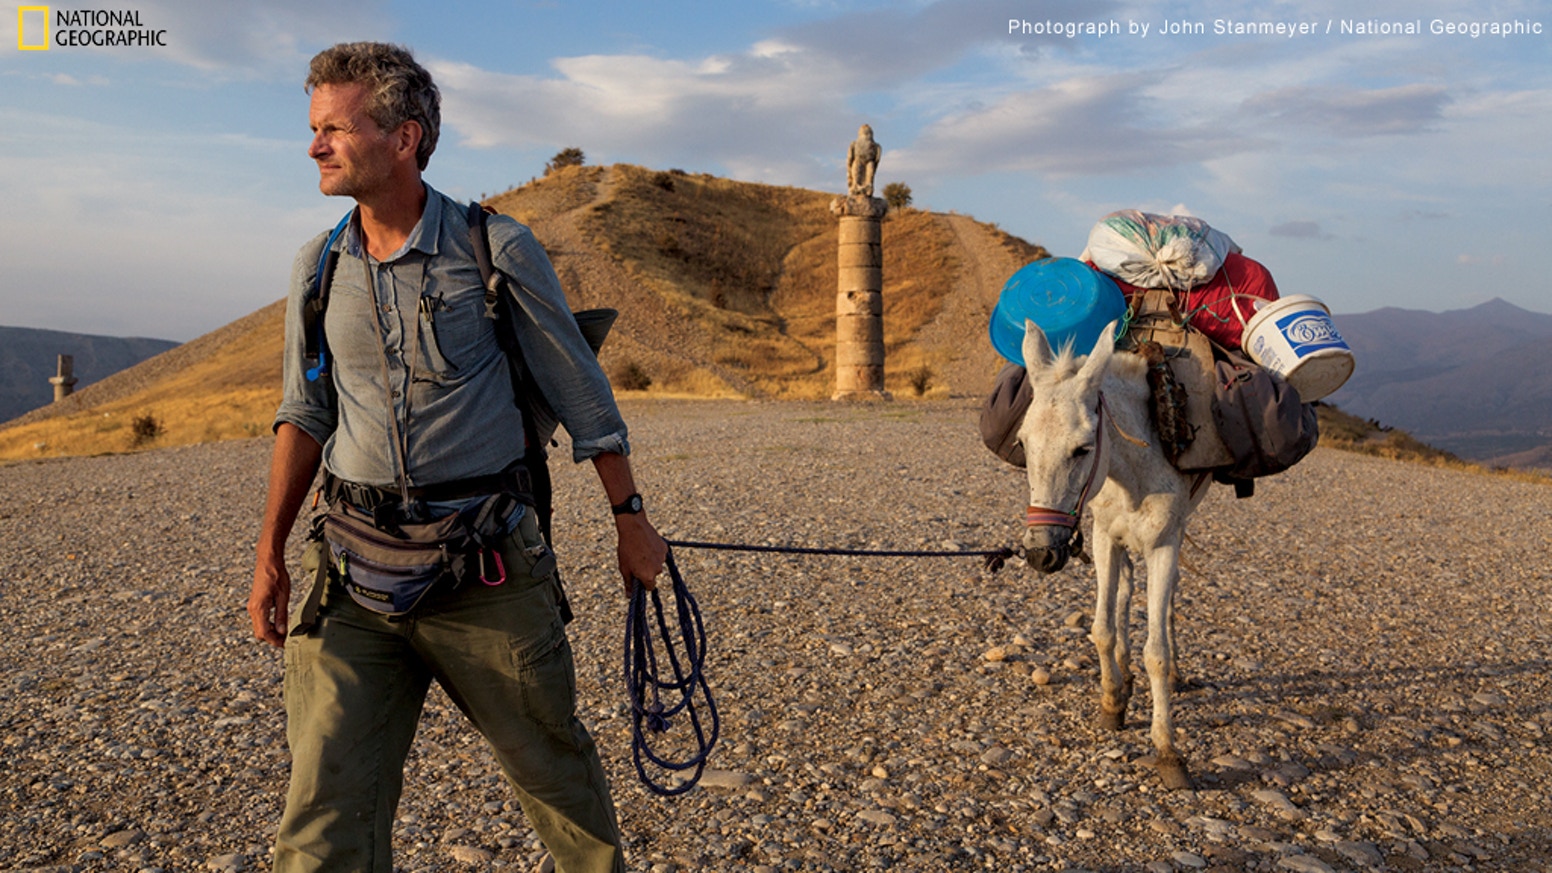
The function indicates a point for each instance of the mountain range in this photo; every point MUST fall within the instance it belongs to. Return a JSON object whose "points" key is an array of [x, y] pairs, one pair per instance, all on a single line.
{"points": [[1475, 382], [29, 358]]}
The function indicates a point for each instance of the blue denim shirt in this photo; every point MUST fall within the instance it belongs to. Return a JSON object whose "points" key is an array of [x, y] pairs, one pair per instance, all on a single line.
{"points": [[445, 379]]}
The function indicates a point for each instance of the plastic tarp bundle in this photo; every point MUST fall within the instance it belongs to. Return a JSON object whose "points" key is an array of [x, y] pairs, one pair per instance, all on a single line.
{"points": [[1175, 252]]}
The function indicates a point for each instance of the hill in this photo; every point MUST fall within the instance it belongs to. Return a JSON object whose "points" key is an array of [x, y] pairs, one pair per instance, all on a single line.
{"points": [[29, 356], [724, 289], [729, 287], [1472, 381]]}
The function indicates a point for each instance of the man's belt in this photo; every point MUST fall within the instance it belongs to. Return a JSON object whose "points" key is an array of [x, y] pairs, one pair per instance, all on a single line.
{"points": [[514, 480]]}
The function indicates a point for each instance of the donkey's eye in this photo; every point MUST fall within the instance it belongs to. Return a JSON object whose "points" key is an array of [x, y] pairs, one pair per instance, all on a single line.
{"points": [[1080, 451]]}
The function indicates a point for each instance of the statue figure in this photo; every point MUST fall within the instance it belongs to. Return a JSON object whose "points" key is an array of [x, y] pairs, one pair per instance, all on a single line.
{"points": [[861, 163]]}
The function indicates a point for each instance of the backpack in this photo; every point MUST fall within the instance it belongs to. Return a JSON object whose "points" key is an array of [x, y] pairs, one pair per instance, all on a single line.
{"points": [[1262, 422], [539, 421]]}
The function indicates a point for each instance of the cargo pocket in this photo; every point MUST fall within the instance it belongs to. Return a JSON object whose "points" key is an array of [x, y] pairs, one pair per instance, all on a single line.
{"points": [[541, 658]]}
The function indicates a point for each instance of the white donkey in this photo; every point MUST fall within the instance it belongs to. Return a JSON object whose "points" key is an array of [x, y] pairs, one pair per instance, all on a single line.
{"points": [[1089, 440]]}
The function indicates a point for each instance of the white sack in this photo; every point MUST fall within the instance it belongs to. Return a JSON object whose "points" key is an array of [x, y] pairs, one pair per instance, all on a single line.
{"points": [[1157, 251]]}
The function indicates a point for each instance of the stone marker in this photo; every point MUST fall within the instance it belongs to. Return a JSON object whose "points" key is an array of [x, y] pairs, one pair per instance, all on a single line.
{"points": [[64, 382]]}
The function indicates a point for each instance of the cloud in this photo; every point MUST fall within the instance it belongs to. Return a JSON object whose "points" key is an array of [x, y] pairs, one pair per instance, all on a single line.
{"points": [[1352, 112], [1086, 125], [1470, 260], [70, 81], [115, 231], [756, 113], [1300, 230], [878, 48], [259, 40]]}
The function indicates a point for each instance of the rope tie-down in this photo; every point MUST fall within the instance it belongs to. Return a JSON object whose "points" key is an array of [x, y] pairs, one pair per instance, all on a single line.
{"points": [[657, 701]]}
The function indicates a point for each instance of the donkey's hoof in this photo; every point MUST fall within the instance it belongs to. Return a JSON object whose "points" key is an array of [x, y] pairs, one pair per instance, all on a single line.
{"points": [[1112, 721], [1172, 772]]}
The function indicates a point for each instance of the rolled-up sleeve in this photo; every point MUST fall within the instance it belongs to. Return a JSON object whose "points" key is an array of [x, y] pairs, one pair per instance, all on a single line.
{"points": [[309, 405], [562, 363]]}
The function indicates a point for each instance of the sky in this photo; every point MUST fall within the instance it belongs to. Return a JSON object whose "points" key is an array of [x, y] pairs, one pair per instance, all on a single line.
{"points": [[162, 190]]}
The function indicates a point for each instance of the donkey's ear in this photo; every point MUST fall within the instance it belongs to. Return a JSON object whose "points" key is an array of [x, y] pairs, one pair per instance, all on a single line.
{"points": [[1037, 349], [1093, 370]]}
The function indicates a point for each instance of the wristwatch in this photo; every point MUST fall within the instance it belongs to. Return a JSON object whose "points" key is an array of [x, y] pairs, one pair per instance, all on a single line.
{"points": [[631, 506]]}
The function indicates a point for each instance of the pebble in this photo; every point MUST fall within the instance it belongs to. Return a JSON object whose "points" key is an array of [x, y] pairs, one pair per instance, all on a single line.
{"points": [[877, 817], [470, 854], [121, 839], [728, 779], [1303, 864], [857, 733], [1365, 854]]}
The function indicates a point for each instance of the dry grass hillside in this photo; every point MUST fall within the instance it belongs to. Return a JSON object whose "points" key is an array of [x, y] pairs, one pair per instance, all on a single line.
{"points": [[725, 289], [728, 288]]}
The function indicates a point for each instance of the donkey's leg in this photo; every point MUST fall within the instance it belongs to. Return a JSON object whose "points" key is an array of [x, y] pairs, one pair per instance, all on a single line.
{"points": [[1113, 689], [1175, 680], [1163, 574], [1123, 618]]}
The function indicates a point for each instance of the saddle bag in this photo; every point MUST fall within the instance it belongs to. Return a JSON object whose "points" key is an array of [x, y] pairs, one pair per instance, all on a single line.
{"points": [[1261, 420], [1003, 412]]}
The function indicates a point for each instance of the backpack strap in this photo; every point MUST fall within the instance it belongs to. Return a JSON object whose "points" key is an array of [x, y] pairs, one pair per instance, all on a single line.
{"points": [[498, 306], [315, 346]]}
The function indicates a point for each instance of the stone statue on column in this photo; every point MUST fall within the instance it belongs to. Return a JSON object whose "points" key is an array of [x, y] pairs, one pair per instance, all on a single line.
{"points": [[859, 302]]}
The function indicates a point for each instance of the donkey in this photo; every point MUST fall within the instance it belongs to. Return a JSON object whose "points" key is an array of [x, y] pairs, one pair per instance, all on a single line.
{"points": [[1140, 502]]}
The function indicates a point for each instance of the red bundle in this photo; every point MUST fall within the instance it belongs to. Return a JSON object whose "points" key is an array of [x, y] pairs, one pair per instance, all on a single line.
{"points": [[1221, 307]]}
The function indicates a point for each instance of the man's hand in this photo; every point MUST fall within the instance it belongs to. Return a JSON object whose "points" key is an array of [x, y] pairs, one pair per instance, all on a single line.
{"points": [[291, 473], [642, 551], [270, 600]]}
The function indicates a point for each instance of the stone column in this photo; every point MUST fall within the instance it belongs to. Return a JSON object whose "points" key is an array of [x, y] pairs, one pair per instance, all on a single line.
{"points": [[859, 301], [64, 382]]}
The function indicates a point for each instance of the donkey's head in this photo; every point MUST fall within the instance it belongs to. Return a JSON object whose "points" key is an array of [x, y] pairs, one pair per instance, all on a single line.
{"points": [[1064, 447]]}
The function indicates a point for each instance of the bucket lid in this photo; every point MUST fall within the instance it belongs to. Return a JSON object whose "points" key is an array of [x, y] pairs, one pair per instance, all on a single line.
{"points": [[1071, 301]]}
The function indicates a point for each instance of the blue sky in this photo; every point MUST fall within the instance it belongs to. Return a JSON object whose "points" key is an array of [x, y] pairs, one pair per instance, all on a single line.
{"points": [[162, 191]]}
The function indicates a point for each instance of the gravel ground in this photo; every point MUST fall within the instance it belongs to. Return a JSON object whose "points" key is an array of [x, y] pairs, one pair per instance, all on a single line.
{"points": [[1367, 643]]}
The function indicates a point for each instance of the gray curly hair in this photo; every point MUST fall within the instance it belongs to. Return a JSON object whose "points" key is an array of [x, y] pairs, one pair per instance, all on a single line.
{"points": [[398, 88]]}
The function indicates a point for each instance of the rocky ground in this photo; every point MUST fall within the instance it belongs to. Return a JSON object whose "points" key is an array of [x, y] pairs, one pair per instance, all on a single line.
{"points": [[1367, 643]]}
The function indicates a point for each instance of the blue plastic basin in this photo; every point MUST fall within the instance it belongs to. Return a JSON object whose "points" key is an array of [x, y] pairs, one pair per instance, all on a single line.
{"points": [[1071, 301]]}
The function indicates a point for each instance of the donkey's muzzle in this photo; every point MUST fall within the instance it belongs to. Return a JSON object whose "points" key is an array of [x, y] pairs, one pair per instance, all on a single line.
{"points": [[1050, 538], [1047, 560]]}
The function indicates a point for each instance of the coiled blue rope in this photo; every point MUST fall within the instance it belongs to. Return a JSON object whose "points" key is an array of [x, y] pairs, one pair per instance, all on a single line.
{"points": [[687, 689]]}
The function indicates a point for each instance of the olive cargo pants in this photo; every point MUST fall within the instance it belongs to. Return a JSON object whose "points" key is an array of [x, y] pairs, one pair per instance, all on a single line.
{"points": [[354, 688]]}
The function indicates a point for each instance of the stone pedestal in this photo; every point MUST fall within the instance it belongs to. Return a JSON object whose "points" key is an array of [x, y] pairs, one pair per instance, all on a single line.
{"points": [[859, 301], [64, 382]]}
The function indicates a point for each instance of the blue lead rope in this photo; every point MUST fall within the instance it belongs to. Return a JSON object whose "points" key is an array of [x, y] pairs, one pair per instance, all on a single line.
{"points": [[648, 688]]}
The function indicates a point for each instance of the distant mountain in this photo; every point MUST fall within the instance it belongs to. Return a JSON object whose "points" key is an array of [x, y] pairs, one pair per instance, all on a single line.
{"points": [[1476, 382], [29, 357]]}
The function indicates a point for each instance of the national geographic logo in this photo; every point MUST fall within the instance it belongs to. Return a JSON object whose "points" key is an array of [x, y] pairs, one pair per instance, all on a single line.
{"points": [[40, 28]]}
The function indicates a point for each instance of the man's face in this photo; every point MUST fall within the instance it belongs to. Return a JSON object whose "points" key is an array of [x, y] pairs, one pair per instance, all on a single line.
{"points": [[354, 155]]}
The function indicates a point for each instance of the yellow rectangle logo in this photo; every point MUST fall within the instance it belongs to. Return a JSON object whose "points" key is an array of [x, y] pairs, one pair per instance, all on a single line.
{"points": [[21, 29]]}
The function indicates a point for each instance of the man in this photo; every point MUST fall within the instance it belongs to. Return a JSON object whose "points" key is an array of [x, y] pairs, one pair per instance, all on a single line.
{"points": [[416, 406]]}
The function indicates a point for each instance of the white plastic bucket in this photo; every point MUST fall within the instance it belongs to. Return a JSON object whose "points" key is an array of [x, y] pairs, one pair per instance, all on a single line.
{"points": [[1295, 338]]}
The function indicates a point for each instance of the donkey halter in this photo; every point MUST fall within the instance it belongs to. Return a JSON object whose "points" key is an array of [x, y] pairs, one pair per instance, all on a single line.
{"points": [[1037, 516]]}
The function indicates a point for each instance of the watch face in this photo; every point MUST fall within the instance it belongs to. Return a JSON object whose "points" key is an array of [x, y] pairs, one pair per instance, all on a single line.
{"points": [[635, 503], [631, 505]]}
